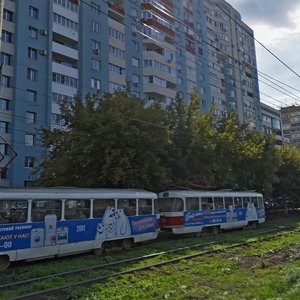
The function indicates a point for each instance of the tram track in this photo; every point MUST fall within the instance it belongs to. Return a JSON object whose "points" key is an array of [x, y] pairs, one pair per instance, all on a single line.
{"points": [[110, 266]]}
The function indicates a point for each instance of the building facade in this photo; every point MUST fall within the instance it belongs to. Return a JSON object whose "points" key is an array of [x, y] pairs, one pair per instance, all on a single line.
{"points": [[272, 123], [52, 50], [291, 124]]}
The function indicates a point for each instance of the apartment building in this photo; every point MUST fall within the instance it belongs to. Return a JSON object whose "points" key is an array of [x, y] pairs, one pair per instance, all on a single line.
{"points": [[271, 122], [291, 124], [51, 50]]}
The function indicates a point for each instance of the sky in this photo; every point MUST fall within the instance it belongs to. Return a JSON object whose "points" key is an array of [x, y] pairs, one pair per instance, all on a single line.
{"points": [[276, 24]]}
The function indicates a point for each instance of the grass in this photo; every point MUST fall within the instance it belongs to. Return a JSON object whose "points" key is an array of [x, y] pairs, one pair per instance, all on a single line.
{"points": [[265, 270], [211, 277]]}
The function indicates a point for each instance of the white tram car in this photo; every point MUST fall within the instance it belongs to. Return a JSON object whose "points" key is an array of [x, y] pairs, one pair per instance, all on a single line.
{"points": [[46, 222], [188, 211]]}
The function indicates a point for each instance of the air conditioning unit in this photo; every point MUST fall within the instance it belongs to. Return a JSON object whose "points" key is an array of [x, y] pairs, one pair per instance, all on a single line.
{"points": [[43, 32], [96, 51], [43, 52]]}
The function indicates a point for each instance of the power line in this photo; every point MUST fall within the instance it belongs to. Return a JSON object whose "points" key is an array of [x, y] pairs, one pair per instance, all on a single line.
{"points": [[260, 43]]}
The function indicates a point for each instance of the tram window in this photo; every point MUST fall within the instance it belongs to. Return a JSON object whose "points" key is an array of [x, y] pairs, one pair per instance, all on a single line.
{"points": [[129, 206], [207, 203], [13, 211], [77, 209], [145, 206], [42, 208], [100, 206], [238, 203], [170, 204], [260, 202], [192, 203], [219, 203], [228, 202], [245, 201], [254, 200]]}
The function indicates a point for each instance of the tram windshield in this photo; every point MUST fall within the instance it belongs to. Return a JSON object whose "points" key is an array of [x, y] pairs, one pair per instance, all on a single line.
{"points": [[13, 211], [170, 204]]}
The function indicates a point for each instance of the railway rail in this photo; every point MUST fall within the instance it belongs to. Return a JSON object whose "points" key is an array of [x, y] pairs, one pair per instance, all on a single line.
{"points": [[109, 267]]}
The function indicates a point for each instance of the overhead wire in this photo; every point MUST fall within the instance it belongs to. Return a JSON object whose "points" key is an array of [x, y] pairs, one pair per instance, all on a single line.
{"points": [[107, 15], [260, 43]]}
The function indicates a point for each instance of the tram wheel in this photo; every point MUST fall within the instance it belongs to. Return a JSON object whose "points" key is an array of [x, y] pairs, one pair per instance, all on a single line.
{"points": [[4, 262], [99, 251], [127, 243], [252, 225], [216, 230]]}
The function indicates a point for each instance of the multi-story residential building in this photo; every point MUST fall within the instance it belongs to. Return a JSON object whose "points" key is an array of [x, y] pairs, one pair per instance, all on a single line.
{"points": [[291, 124], [52, 50], [271, 122]]}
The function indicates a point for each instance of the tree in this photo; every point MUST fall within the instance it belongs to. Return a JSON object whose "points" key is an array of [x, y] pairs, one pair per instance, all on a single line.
{"points": [[190, 139], [245, 159], [288, 186], [113, 141]]}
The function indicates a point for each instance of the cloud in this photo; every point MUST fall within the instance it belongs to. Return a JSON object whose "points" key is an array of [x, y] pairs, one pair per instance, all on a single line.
{"points": [[276, 13]]}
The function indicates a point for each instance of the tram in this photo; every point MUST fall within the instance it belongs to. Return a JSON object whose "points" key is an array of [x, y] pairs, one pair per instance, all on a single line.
{"points": [[191, 211], [46, 222]]}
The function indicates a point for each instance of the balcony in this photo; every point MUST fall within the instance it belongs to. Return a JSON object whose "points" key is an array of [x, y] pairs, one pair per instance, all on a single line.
{"points": [[65, 31], [64, 70], [116, 11], [64, 50]]}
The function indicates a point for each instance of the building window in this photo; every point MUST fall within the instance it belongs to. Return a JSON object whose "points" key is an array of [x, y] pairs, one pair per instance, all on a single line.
{"points": [[136, 46], [117, 70], [7, 15], [59, 98], [32, 53], [96, 8], [116, 52], [31, 74], [135, 80], [69, 4], [95, 83], [96, 27], [29, 162], [33, 12], [3, 127], [96, 64], [135, 61], [66, 80], [31, 95], [32, 32], [57, 119], [4, 104], [65, 22], [115, 34], [5, 59], [114, 87], [29, 139], [5, 81], [30, 117], [6, 36]]}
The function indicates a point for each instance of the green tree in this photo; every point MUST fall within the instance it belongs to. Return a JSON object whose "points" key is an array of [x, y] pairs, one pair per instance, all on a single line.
{"points": [[112, 141], [191, 138], [288, 186], [245, 159]]}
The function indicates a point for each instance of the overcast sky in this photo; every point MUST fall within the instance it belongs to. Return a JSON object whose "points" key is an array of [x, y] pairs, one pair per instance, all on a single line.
{"points": [[276, 24]]}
